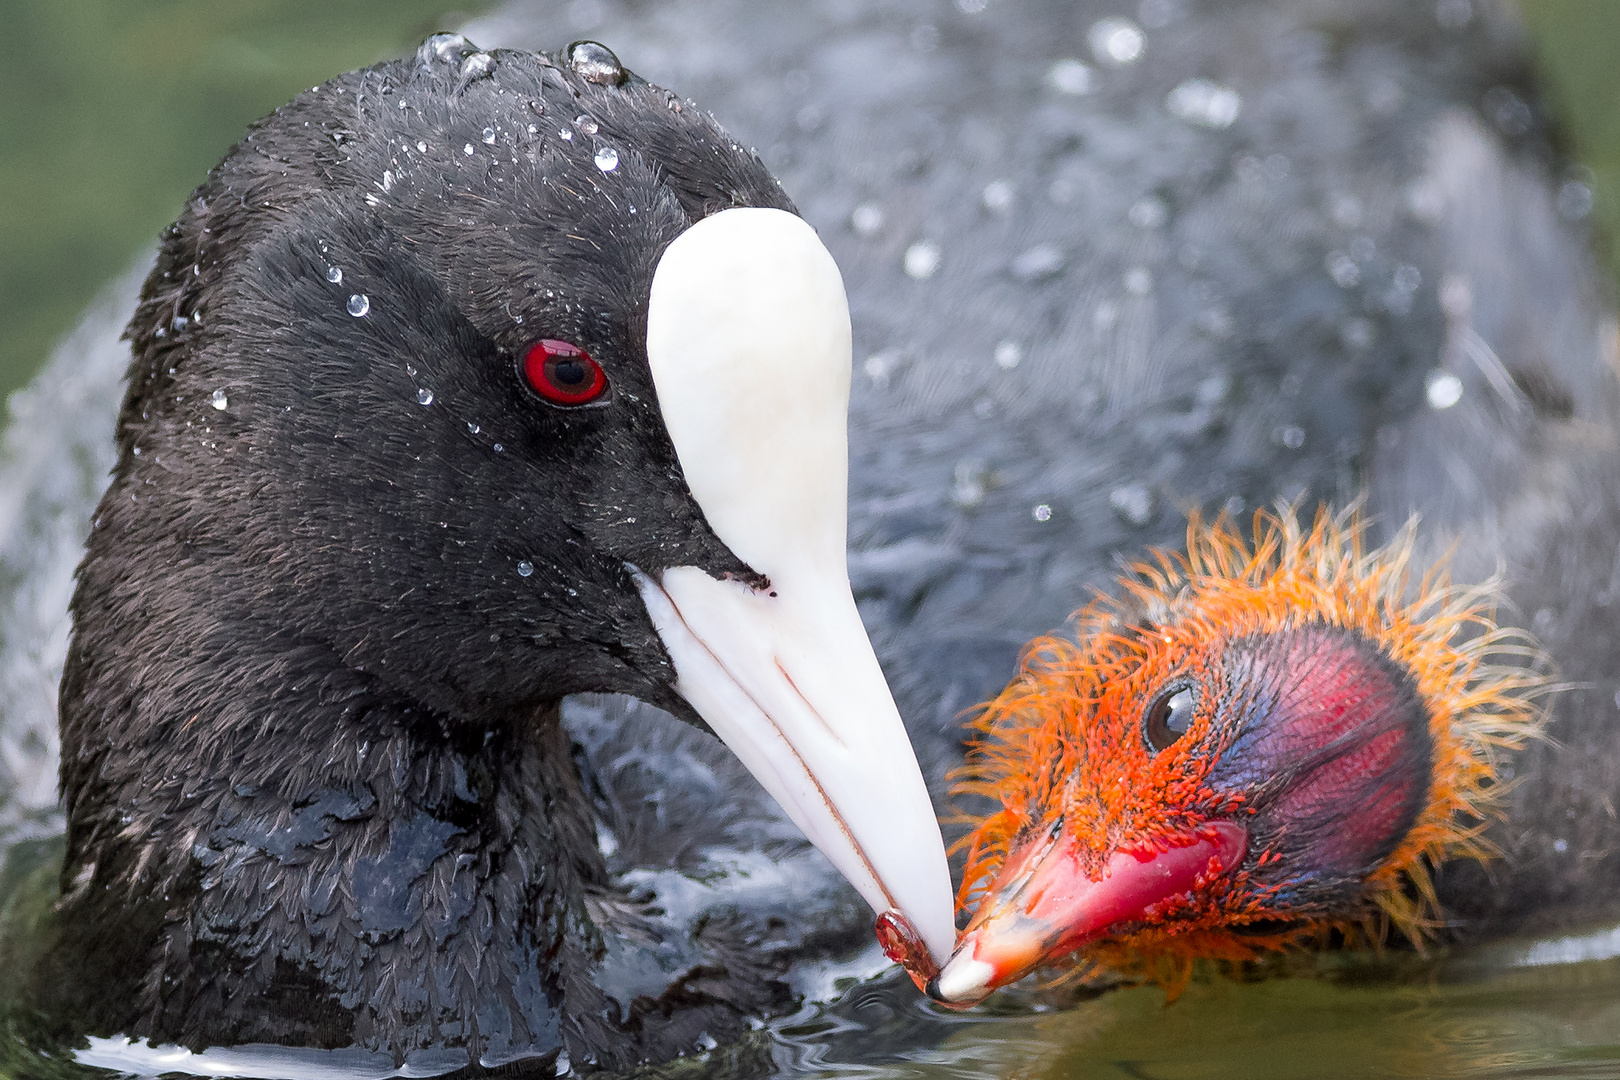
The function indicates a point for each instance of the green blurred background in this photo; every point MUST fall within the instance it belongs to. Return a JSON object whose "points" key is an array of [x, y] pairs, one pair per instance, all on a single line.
{"points": [[1577, 49], [112, 110]]}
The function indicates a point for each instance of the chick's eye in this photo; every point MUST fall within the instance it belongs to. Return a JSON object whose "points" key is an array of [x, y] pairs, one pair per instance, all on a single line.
{"points": [[562, 373], [1168, 718]]}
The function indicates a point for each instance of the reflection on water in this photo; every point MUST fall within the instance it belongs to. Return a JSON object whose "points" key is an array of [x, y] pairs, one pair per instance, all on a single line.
{"points": [[1440, 1019]]}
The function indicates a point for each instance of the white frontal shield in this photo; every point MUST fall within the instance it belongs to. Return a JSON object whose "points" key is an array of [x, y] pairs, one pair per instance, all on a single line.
{"points": [[748, 338]]}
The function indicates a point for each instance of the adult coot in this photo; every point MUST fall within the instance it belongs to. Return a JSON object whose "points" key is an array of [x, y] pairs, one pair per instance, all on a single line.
{"points": [[464, 383]]}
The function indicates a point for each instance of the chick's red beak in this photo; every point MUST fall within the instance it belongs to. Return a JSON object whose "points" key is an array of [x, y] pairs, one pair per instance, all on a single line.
{"points": [[1042, 905]]}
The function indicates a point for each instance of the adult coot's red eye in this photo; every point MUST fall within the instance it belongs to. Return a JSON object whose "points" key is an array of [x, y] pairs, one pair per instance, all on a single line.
{"points": [[563, 373]]}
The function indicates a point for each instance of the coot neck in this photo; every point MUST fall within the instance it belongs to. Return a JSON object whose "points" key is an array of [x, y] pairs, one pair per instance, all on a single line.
{"points": [[314, 860]]}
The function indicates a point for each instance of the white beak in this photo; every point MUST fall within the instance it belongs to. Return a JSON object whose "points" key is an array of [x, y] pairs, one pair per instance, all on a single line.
{"points": [[748, 339]]}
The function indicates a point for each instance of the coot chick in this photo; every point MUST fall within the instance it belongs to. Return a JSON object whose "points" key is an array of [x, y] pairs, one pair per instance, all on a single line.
{"points": [[1247, 748], [465, 382]]}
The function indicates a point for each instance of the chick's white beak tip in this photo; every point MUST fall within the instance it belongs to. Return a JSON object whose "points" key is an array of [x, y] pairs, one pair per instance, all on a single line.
{"points": [[962, 981]]}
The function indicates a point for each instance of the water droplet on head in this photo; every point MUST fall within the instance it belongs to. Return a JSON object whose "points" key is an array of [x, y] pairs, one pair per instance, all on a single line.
{"points": [[334, 274], [866, 219], [586, 124], [421, 145], [179, 323], [567, 134], [1443, 389], [1138, 281], [1069, 76], [1205, 103], [922, 260], [1041, 512], [1291, 436], [1115, 41], [525, 568], [607, 159], [218, 400], [498, 448], [424, 396], [474, 428], [489, 136], [1009, 354], [444, 49], [998, 196], [359, 304], [595, 63], [477, 66], [468, 150]]}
